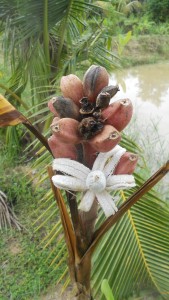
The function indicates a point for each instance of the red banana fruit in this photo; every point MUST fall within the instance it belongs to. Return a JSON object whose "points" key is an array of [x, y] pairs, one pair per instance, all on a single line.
{"points": [[127, 164], [95, 79], [66, 130], [104, 141], [118, 114], [71, 87], [62, 150]]}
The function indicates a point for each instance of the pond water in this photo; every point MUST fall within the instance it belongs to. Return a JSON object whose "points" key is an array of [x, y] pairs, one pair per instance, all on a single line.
{"points": [[147, 87]]}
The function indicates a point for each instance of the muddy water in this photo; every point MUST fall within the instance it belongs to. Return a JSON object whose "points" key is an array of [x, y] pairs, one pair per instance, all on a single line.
{"points": [[148, 88]]}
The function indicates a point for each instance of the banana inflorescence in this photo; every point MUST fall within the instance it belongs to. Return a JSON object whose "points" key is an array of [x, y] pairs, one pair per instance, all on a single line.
{"points": [[84, 116]]}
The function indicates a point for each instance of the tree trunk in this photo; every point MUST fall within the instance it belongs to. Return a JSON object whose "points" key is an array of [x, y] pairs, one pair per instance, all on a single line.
{"points": [[82, 279]]}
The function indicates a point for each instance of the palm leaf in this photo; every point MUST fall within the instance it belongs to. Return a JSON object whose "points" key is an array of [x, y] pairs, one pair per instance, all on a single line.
{"points": [[105, 288], [131, 7], [42, 41], [128, 6], [134, 252], [129, 203]]}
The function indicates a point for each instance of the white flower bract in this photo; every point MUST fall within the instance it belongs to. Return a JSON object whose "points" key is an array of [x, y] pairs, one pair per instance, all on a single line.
{"points": [[95, 183]]}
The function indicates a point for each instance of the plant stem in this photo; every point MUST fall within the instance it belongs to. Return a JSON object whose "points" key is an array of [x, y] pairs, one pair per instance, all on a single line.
{"points": [[17, 98], [63, 32], [46, 33], [80, 232], [38, 135], [83, 272]]}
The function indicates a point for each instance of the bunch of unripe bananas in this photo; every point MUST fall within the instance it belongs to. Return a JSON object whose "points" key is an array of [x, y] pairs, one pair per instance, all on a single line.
{"points": [[85, 122]]}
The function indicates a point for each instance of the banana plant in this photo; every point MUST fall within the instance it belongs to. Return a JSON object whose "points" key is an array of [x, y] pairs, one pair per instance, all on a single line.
{"points": [[98, 176]]}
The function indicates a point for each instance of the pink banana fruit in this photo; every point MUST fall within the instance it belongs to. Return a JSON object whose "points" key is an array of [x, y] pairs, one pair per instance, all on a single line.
{"points": [[118, 114], [71, 87], [60, 149], [66, 130], [107, 139], [95, 79], [126, 164]]}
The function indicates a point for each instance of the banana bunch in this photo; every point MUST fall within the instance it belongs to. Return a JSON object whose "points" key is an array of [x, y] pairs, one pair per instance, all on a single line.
{"points": [[85, 123]]}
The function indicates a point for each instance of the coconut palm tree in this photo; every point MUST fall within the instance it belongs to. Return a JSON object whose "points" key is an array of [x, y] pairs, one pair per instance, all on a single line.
{"points": [[49, 38], [128, 6]]}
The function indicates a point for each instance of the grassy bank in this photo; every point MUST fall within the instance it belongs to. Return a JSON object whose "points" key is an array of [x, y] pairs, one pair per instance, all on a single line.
{"points": [[146, 49]]}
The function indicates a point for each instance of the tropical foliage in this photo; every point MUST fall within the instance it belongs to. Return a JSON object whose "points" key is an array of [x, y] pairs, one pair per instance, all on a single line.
{"points": [[46, 39], [128, 7], [42, 41], [134, 253], [158, 10]]}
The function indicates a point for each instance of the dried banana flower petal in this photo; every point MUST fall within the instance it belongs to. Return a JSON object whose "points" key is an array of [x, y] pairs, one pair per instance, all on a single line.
{"points": [[102, 100], [87, 108], [90, 127], [111, 90]]}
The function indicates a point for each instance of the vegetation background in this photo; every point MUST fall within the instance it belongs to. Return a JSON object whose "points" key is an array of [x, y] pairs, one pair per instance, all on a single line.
{"points": [[41, 41]]}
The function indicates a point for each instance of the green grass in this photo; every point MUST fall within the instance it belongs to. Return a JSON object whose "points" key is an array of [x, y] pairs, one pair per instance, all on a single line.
{"points": [[25, 270]]}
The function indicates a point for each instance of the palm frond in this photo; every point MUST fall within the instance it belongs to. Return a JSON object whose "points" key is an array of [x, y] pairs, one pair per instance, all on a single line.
{"points": [[134, 252], [128, 7], [131, 7], [40, 37]]}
